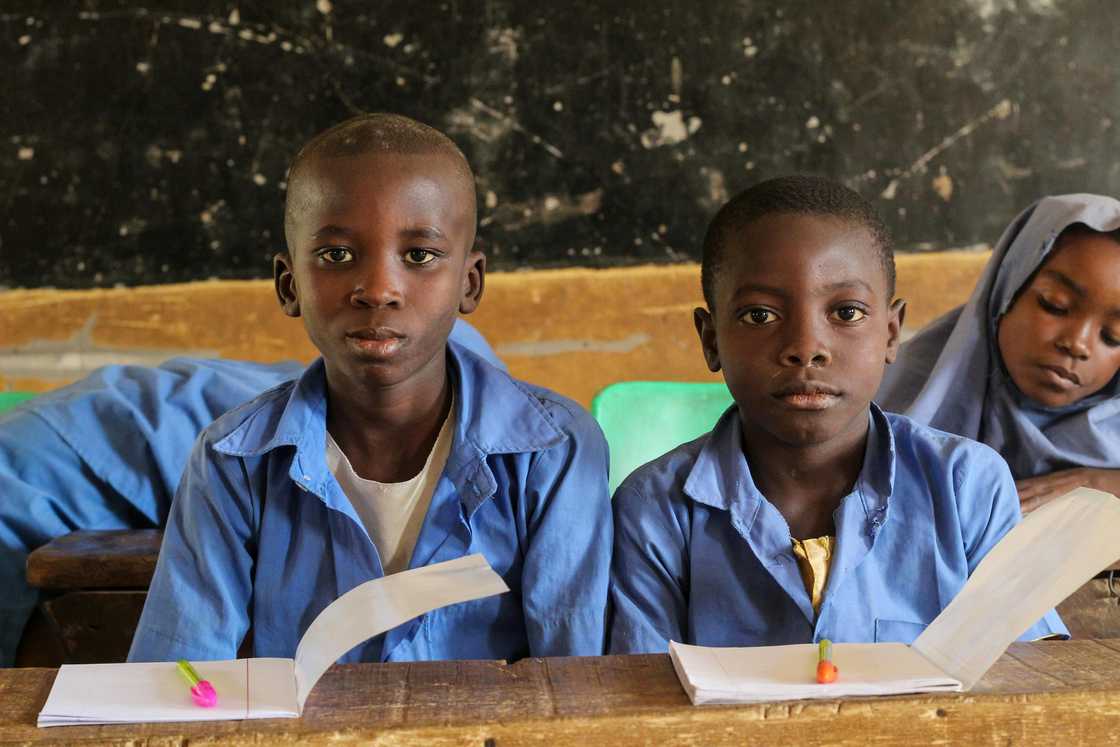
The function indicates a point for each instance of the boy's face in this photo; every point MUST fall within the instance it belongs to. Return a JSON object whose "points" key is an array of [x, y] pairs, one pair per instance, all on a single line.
{"points": [[1060, 340], [380, 261], [802, 327]]}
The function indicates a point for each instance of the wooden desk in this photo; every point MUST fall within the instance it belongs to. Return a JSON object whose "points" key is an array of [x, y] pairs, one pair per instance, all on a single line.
{"points": [[1042, 693]]}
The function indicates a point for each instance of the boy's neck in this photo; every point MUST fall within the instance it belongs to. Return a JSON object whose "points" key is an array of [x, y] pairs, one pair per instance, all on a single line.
{"points": [[388, 433], [807, 483]]}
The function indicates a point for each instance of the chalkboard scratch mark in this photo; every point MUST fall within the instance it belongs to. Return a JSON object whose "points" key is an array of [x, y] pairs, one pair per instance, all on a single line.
{"points": [[345, 99], [555, 88], [884, 85], [516, 127], [287, 40], [514, 216], [325, 9], [1002, 110], [670, 128]]}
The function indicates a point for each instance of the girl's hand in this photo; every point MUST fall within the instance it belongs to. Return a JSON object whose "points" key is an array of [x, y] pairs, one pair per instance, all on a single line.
{"points": [[1038, 491]]}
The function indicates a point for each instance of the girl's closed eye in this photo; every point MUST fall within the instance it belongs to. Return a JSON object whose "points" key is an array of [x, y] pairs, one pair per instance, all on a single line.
{"points": [[1051, 306], [1110, 338]]}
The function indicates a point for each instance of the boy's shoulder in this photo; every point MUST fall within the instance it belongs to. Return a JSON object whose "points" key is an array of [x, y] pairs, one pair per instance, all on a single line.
{"points": [[241, 430], [507, 414], [913, 439], [664, 478], [564, 411], [952, 472]]}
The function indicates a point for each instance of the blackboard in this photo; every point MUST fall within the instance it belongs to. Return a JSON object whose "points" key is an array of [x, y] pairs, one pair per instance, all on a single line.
{"points": [[148, 143]]}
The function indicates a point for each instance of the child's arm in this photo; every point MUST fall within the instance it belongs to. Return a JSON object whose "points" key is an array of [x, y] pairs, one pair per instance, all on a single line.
{"points": [[567, 561], [989, 507], [648, 574], [1038, 491], [198, 603]]}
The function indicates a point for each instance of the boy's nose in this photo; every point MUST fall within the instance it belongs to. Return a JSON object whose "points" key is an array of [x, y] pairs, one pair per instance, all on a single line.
{"points": [[804, 348], [379, 287], [806, 357]]}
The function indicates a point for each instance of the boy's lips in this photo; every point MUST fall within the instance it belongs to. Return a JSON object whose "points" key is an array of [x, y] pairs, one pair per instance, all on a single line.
{"points": [[374, 333], [376, 342], [808, 395]]}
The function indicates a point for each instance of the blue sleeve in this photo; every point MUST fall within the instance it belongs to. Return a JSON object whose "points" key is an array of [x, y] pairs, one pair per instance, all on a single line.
{"points": [[134, 425], [567, 563], [198, 603], [648, 574], [45, 492], [989, 508]]}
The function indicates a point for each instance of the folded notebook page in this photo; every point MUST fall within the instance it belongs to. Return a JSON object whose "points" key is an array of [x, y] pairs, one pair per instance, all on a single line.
{"points": [[1034, 567], [265, 688], [1040, 562]]}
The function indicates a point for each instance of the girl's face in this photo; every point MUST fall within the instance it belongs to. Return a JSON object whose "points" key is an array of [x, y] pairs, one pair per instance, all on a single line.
{"points": [[1060, 340]]}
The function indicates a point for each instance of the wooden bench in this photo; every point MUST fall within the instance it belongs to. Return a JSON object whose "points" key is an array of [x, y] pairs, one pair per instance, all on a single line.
{"points": [[94, 585]]}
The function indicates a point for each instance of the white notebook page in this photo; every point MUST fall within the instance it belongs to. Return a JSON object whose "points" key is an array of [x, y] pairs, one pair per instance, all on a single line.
{"points": [[1040, 562]]}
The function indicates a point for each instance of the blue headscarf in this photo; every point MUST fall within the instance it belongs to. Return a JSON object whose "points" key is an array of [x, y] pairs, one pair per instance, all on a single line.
{"points": [[950, 375]]}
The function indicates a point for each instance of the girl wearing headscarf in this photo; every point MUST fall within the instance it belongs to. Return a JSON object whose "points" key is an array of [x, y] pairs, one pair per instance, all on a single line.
{"points": [[1029, 365]]}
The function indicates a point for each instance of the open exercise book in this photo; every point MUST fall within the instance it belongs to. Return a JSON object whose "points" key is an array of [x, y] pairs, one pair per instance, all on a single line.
{"points": [[265, 688], [1035, 566]]}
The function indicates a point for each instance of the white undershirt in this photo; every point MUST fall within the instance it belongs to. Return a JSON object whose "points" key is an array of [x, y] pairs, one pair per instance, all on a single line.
{"points": [[393, 512]]}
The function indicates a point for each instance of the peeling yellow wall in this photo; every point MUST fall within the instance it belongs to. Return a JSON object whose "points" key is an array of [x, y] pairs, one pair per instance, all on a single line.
{"points": [[573, 330]]}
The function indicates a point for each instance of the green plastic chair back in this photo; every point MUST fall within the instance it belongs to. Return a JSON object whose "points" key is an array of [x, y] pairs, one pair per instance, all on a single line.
{"points": [[11, 399], [644, 419]]}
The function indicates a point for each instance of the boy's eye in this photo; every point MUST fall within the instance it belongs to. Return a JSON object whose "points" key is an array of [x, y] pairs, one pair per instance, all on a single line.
{"points": [[1050, 307], [1110, 339], [419, 256], [758, 317], [849, 314], [336, 254]]}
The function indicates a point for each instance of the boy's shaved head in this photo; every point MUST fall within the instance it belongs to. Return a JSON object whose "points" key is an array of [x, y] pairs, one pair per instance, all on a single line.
{"points": [[791, 195], [375, 133]]}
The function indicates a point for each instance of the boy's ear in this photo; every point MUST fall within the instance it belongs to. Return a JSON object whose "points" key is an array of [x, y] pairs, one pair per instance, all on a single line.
{"points": [[285, 281], [474, 279], [896, 316], [706, 328]]}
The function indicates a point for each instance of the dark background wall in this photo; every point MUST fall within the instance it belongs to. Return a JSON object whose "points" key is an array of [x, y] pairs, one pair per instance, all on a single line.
{"points": [[147, 142]]}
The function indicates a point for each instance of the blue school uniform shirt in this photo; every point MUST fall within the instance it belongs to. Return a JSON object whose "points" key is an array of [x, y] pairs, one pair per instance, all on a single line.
{"points": [[261, 534], [107, 452], [702, 557]]}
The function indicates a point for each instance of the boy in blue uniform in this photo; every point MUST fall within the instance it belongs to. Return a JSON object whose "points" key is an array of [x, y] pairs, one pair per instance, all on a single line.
{"points": [[107, 452], [807, 512], [395, 450]]}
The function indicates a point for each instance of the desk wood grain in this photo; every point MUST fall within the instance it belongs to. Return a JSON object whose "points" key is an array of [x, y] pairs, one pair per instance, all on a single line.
{"points": [[1038, 693]]}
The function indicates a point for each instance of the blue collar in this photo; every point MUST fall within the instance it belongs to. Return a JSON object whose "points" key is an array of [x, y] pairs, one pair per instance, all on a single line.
{"points": [[721, 477], [495, 414]]}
